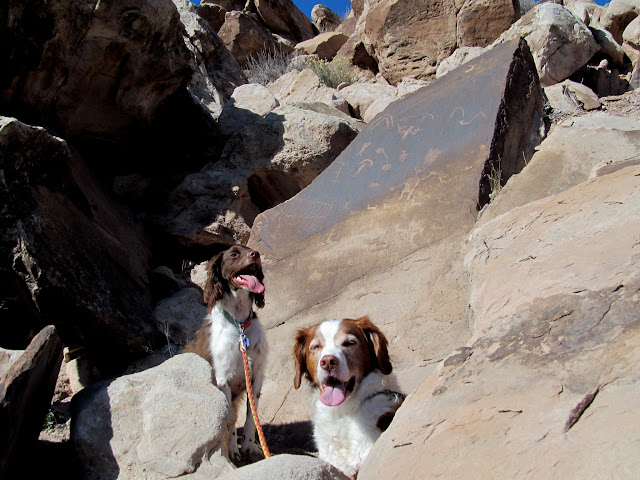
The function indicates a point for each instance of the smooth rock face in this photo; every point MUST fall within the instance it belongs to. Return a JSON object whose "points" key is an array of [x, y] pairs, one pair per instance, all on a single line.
{"points": [[93, 68], [287, 467], [26, 388], [120, 427], [385, 222], [69, 255], [571, 154], [552, 369], [560, 42]]}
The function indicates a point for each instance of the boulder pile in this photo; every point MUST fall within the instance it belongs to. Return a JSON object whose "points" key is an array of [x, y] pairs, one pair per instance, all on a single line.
{"points": [[467, 175]]}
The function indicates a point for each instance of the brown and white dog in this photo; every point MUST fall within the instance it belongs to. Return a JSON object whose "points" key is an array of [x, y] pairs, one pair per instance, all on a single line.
{"points": [[348, 364], [233, 286]]}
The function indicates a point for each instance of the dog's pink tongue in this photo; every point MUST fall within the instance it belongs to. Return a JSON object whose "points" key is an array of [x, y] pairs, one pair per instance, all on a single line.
{"points": [[333, 395], [252, 283]]}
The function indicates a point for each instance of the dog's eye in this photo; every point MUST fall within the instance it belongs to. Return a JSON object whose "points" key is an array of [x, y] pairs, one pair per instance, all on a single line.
{"points": [[233, 254], [349, 343], [315, 347]]}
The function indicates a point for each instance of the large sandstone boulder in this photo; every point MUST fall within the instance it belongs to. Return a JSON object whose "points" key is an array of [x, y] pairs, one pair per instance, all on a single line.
{"points": [[287, 467], [631, 38], [165, 422], [325, 19], [409, 38], [618, 15], [180, 315], [571, 154], [213, 13], [571, 97], [480, 22], [26, 388], [69, 256], [248, 104], [386, 221], [300, 86], [245, 36], [282, 17], [549, 383], [93, 68], [356, 53], [560, 42], [261, 166], [586, 10], [325, 45], [360, 96]]}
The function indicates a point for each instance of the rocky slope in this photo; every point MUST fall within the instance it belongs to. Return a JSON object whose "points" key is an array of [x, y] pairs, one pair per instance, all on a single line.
{"points": [[487, 220]]}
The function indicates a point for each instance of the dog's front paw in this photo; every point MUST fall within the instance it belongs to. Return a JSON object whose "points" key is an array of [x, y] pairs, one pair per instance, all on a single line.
{"points": [[234, 452], [251, 448]]}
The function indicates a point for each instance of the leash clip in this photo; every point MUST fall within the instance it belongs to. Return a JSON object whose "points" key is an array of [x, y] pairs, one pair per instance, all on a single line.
{"points": [[244, 342]]}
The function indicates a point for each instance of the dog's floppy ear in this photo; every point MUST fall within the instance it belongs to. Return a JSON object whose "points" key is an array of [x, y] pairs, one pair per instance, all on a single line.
{"points": [[378, 344], [259, 300], [213, 288], [300, 356]]}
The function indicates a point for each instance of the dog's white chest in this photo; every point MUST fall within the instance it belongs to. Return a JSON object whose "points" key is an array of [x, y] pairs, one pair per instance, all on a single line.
{"points": [[228, 364], [344, 442]]}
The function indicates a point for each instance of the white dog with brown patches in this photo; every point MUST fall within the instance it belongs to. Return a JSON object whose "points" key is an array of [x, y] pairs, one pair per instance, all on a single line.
{"points": [[234, 286], [348, 363]]}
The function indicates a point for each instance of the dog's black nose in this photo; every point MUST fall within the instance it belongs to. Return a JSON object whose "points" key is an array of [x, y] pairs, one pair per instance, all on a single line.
{"points": [[328, 362]]}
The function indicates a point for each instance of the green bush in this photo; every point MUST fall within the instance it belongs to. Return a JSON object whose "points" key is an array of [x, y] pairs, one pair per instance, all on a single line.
{"points": [[332, 73], [268, 66]]}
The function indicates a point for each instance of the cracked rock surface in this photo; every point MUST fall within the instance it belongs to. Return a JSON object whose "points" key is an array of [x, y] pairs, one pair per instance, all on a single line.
{"points": [[548, 384]]}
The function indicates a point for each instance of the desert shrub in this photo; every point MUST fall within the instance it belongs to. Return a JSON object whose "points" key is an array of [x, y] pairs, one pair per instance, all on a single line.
{"points": [[526, 5], [332, 73], [495, 180], [268, 66]]}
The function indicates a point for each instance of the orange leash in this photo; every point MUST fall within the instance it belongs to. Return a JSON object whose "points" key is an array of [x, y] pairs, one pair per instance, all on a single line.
{"points": [[247, 377]]}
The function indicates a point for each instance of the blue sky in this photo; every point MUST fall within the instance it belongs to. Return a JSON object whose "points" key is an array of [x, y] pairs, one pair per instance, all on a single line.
{"points": [[338, 6]]}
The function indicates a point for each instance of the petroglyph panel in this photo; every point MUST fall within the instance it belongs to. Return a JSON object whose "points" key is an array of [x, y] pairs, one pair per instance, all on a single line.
{"points": [[427, 149]]}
